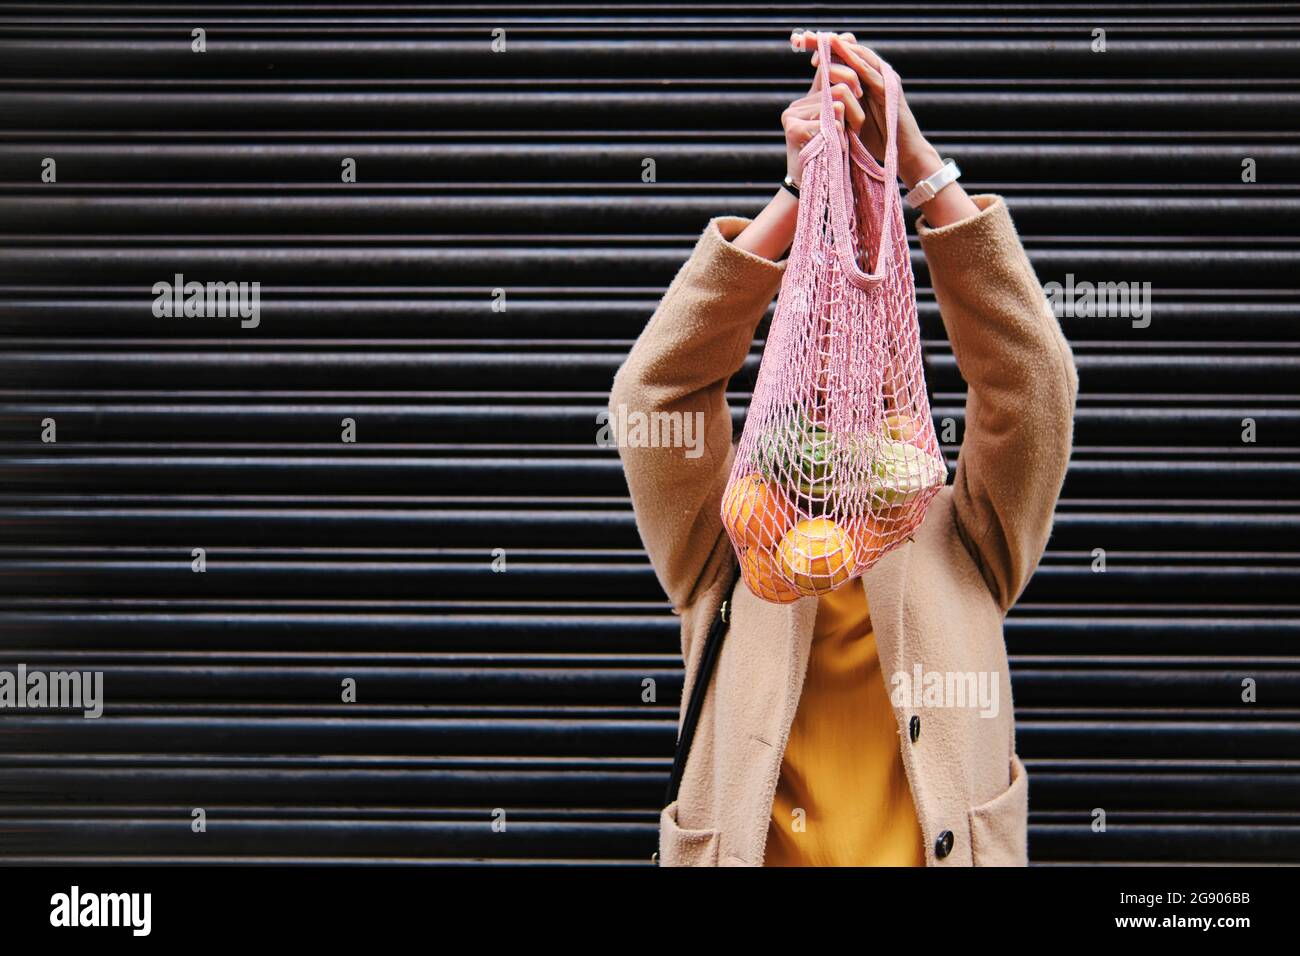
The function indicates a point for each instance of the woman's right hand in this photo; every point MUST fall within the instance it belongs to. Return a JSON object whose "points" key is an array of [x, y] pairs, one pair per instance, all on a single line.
{"points": [[772, 230], [852, 67], [802, 118]]}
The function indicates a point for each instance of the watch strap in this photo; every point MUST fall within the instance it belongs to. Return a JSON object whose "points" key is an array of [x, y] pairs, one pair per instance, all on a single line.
{"points": [[929, 187]]}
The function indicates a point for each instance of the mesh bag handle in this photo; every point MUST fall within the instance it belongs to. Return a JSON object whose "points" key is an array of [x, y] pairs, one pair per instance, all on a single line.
{"points": [[841, 190]]}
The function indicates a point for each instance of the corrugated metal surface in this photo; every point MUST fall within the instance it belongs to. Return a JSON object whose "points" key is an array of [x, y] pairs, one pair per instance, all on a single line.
{"points": [[476, 428]]}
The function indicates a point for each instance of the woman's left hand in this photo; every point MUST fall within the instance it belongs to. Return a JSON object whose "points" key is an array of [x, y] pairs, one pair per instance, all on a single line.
{"points": [[859, 67]]}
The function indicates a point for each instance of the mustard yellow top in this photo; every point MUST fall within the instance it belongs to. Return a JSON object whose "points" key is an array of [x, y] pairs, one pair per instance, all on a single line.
{"points": [[842, 765]]}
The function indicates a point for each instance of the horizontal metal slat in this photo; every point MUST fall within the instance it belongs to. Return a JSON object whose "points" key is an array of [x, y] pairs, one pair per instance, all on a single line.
{"points": [[433, 165], [473, 420], [650, 107], [516, 260], [1237, 579], [959, 48], [1179, 315], [1204, 371], [289, 210]]}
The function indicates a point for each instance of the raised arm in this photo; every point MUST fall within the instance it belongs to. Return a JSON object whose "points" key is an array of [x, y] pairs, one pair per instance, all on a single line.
{"points": [[697, 339], [1009, 347], [1021, 389]]}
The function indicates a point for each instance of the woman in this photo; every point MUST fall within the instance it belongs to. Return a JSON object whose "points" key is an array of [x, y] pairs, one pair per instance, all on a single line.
{"points": [[827, 737]]}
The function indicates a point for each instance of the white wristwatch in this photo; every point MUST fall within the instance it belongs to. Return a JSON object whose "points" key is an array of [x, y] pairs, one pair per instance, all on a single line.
{"points": [[929, 187]]}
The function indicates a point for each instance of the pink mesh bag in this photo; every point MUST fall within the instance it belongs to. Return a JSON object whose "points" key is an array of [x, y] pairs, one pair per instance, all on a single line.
{"points": [[838, 459]]}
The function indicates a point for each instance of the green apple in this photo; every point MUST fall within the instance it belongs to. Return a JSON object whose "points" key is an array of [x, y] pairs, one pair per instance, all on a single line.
{"points": [[816, 459], [900, 471]]}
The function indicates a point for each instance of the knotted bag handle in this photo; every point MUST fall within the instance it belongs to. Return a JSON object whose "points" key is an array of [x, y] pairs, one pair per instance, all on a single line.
{"points": [[841, 187]]}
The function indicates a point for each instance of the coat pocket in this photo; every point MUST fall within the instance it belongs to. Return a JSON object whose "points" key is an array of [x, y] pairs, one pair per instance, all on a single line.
{"points": [[999, 829], [681, 847]]}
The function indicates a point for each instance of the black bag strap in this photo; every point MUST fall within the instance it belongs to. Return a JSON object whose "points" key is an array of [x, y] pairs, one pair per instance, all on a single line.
{"points": [[708, 660]]}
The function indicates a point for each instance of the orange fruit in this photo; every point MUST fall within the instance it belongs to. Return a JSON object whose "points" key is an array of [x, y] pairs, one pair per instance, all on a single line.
{"points": [[867, 534], [873, 535], [755, 512], [901, 427], [759, 570], [816, 555]]}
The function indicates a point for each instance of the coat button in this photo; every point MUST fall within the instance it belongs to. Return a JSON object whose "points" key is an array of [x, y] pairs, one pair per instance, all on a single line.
{"points": [[943, 845], [914, 727]]}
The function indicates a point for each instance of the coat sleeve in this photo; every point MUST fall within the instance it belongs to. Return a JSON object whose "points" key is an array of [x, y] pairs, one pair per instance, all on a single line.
{"points": [[677, 373], [1021, 390]]}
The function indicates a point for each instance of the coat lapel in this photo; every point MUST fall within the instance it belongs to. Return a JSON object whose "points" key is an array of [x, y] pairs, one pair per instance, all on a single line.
{"points": [[884, 582]]}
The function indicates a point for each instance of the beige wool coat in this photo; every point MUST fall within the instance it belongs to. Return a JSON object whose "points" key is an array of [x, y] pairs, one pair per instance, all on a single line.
{"points": [[937, 601]]}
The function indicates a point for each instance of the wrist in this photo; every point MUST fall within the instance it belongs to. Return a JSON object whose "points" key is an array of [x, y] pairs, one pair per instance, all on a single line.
{"points": [[784, 202], [771, 232], [917, 164]]}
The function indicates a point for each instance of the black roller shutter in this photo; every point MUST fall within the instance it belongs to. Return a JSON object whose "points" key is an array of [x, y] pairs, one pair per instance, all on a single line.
{"points": [[482, 692]]}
